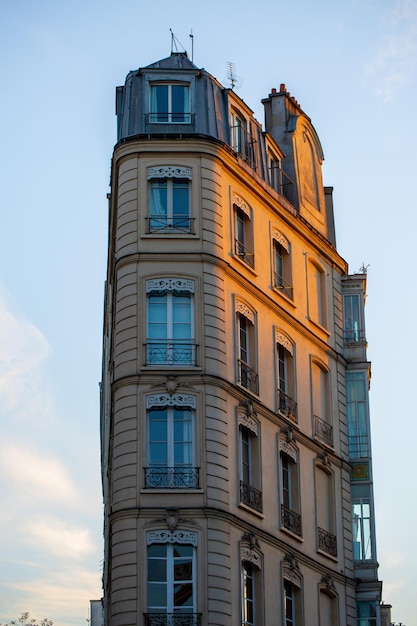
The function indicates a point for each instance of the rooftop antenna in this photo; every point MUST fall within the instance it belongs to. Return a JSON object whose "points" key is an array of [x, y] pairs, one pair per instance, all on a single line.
{"points": [[192, 45], [175, 43], [232, 77]]}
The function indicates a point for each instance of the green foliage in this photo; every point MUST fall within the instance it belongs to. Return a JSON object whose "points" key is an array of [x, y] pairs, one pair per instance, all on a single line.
{"points": [[26, 620]]}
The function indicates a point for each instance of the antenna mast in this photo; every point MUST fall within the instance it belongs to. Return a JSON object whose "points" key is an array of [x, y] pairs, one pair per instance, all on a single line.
{"points": [[192, 45], [231, 73]]}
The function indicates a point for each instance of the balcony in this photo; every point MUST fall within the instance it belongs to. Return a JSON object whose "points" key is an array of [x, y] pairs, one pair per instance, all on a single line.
{"points": [[290, 520], [251, 496], [172, 619], [287, 406], [326, 541], [164, 224], [354, 337], [283, 286], [166, 117], [171, 353], [244, 253], [323, 431], [171, 477], [282, 183], [247, 377], [243, 144]]}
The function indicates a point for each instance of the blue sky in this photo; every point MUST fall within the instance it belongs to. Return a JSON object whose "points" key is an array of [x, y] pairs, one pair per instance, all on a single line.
{"points": [[352, 65]]}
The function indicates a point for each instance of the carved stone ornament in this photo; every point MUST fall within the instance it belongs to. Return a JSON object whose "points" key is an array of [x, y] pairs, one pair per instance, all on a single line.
{"points": [[169, 284], [243, 206], [327, 586], [175, 399], [243, 308], [284, 341], [288, 447], [324, 459], [171, 384], [291, 570], [248, 421], [169, 171], [168, 536], [279, 238], [246, 554]]}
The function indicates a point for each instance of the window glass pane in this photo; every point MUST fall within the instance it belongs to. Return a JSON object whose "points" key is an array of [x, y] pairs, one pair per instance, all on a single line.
{"points": [[180, 203], [179, 102], [159, 103], [157, 317], [157, 596], [159, 198], [181, 317]]}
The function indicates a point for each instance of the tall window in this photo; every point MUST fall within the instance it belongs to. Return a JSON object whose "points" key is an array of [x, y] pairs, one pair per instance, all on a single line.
{"points": [[326, 539], [357, 410], [170, 103], [292, 600], [352, 327], [171, 578], [366, 612], [282, 265], [251, 582], [170, 325], [169, 199], [250, 492], [246, 361], [248, 595], [361, 530], [317, 303], [323, 429], [286, 382], [243, 231], [171, 447], [289, 488]]}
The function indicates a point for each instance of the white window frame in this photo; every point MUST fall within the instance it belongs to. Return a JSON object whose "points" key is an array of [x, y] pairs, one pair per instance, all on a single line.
{"points": [[243, 247], [286, 402], [246, 347], [282, 274], [250, 465], [169, 116], [165, 219], [290, 514]]}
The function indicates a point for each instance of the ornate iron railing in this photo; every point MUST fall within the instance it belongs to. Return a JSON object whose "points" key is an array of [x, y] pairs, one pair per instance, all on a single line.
{"points": [[248, 377], [291, 520], [164, 224], [287, 406], [244, 144], [166, 117], [170, 352], [244, 253], [354, 337], [172, 619], [282, 183], [282, 285], [251, 496], [171, 477], [323, 430], [326, 541]]}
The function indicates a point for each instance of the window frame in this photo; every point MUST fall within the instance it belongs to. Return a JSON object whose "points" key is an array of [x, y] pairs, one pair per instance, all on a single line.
{"points": [[251, 610], [169, 350], [317, 293], [246, 352], [285, 378], [243, 238], [172, 474], [292, 599], [357, 416], [163, 200], [250, 489], [289, 487], [169, 116]]}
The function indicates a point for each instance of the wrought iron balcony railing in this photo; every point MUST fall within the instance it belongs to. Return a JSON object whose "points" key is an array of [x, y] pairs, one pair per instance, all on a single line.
{"points": [[326, 541], [287, 406], [248, 377], [282, 183], [244, 144], [354, 337], [290, 520], [164, 224], [282, 285], [244, 253], [171, 477], [166, 117], [172, 619], [323, 430], [172, 352], [251, 496]]}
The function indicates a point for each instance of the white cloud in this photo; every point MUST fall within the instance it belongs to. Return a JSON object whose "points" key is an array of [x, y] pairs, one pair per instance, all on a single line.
{"points": [[394, 64], [58, 538]]}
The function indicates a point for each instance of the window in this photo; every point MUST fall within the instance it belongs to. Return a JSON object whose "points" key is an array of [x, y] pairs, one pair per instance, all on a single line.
{"points": [[171, 579], [292, 600], [279, 180], [323, 429], [170, 327], [326, 539], [328, 602], [243, 231], [246, 361], [250, 492], [251, 582], [357, 411], [170, 103], [366, 613], [170, 441], [286, 378], [317, 307], [290, 501], [361, 530], [353, 331], [282, 265], [169, 199]]}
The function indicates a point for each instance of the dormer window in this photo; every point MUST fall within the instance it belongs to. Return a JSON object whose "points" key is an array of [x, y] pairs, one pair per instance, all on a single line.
{"points": [[170, 103]]}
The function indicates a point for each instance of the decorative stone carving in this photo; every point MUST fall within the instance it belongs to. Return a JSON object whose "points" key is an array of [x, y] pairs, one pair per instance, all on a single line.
{"points": [[253, 557], [291, 570], [288, 447], [237, 200], [279, 237], [174, 399], [248, 422], [243, 308], [168, 536], [169, 284], [284, 341], [169, 171]]}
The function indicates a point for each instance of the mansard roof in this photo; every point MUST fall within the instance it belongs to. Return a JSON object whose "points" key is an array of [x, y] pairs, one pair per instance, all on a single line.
{"points": [[176, 61]]}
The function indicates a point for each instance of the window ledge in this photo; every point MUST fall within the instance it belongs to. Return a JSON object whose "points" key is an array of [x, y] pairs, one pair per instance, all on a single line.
{"points": [[283, 296], [241, 505], [244, 264], [170, 234], [173, 490], [291, 534], [327, 555], [318, 325]]}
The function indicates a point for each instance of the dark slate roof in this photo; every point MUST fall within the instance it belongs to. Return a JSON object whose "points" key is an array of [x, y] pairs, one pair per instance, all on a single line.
{"points": [[177, 61]]}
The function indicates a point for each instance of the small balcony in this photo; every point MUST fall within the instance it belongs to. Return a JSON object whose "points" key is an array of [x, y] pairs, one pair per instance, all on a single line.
{"points": [[164, 224], [290, 520], [354, 337], [323, 431], [251, 496], [171, 353], [287, 406], [243, 144], [171, 477], [172, 619], [282, 183], [283, 286], [167, 117], [244, 253], [326, 542], [247, 377]]}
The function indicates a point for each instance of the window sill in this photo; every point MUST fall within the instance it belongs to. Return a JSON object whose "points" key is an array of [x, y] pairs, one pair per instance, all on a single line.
{"points": [[245, 507], [327, 555], [244, 264], [291, 534], [283, 296], [181, 490], [318, 325]]}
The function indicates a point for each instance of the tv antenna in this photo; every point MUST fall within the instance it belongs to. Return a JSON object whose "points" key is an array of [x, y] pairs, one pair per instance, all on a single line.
{"points": [[175, 43], [232, 77], [192, 45]]}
